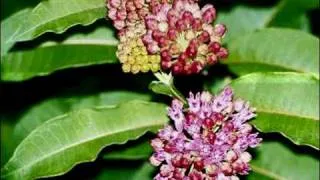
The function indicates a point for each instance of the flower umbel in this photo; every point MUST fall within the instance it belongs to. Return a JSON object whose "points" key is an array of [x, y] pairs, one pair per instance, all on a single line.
{"points": [[183, 35], [208, 141], [178, 31]]}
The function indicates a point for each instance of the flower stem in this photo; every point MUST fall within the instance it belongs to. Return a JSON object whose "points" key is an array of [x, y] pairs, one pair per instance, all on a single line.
{"points": [[166, 80]]}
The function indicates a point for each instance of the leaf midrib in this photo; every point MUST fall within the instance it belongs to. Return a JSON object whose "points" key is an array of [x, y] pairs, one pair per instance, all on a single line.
{"points": [[84, 142], [286, 114], [264, 63], [267, 173]]}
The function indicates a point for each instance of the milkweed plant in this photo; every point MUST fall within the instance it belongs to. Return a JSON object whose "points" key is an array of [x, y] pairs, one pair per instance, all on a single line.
{"points": [[159, 89]]}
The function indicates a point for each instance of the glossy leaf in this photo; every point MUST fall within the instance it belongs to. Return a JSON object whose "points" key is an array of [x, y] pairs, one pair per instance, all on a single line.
{"points": [[16, 129], [274, 50], [97, 47], [49, 109], [287, 103], [275, 161], [58, 15], [9, 28], [62, 142]]}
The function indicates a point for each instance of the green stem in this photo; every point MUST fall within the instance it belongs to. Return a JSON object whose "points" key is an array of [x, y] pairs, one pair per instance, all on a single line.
{"points": [[167, 80], [178, 94]]}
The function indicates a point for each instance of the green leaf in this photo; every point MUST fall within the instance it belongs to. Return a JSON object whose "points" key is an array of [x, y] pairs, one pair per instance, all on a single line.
{"points": [[130, 151], [292, 13], [145, 172], [243, 19], [217, 84], [62, 142], [51, 108], [78, 50], [274, 50], [9, 27], [287, 103], [9, 7], [58, 15], [275, 161], [6, 143]]}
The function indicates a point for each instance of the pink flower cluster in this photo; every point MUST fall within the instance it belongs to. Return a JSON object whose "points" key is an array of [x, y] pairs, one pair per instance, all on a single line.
{"points": [[183, 35], [126, 13], [178, 31], [208, 140]]}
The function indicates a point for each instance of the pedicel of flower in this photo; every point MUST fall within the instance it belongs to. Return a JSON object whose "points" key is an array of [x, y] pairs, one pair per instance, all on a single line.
{"points": [[208, 141]]}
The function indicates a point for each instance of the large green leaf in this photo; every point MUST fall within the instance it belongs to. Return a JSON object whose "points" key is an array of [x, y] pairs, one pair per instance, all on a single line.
{"points": [[287, 103], [58, 15], [243, 19], [275, 161], [14, 133], [274, 50], [9, 28], [62, 142], [48, 109], [78, 50]]}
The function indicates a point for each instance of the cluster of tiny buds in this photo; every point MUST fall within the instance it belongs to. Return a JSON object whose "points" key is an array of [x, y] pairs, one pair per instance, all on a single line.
{"points": [[178, 31], [133, 54], [208, 141], [183, 35], [126, 13]]}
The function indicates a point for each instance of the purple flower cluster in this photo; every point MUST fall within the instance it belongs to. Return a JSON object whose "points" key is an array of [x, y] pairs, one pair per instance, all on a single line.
{"points": [[179, 32], [208, 140]]}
